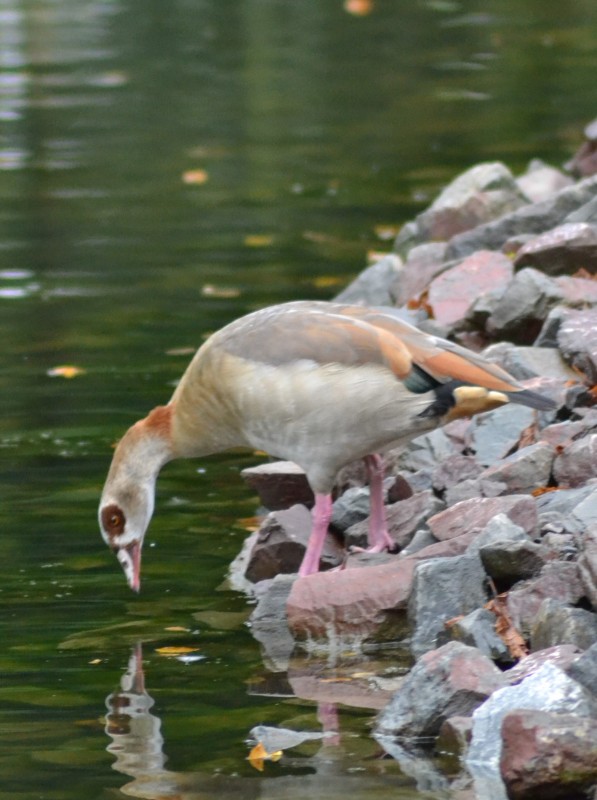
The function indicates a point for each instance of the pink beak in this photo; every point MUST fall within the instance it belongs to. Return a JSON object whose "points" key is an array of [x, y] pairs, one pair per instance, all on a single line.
{"points": [[130, 560]]}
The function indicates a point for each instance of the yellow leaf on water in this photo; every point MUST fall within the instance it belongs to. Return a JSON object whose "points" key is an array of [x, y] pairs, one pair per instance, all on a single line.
{"points": [[386, 232], [175, 650], [95, 661], [65, 371], [180, 351], [176, 629], [209, 290], [325, 281], [258, 240], [259, 754], [195, 177]]}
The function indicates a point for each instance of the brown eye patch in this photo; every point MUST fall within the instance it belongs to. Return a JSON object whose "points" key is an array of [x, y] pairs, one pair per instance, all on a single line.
{"points": [[113, 520]]}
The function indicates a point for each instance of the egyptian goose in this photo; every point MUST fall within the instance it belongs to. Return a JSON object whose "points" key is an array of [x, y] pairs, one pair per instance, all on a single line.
{"points": [[321, 384]]}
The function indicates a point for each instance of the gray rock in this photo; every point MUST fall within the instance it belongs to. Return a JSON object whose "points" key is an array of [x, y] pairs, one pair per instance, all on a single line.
{"points": [[548, 335], [450, 681], [350, 508], [422, 538], [585, 513], [528, 362], [548, 755], [453, 470], [527, 469], [473, 488], [455, 735], [565, 501], [512, 560], [562, 656], [533, 218], [373, 286], [548, 689], [587, 563], [492, 436], [584, 670], [521, 310], [577, 340], [586, 213], [576, 461], [426, 451], [269, 625], [557, 623], [403, 519], [424, 262], [561, 250], [541, 181], [477, 629], [559, 580], [443, 588]]}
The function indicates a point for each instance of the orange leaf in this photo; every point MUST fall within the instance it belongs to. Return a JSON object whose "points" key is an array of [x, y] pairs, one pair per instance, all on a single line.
{"points": [[358, 8], [65, 372], [259, 754], [195, 177], [325, 281], [175, 651], [504, 628]]}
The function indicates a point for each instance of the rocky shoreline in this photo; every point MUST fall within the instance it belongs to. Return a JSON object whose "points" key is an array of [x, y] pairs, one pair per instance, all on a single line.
{"points": [[493, 591]]}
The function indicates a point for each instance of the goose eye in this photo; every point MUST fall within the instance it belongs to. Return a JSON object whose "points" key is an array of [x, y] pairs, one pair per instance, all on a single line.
{"points": [[113, 520]]}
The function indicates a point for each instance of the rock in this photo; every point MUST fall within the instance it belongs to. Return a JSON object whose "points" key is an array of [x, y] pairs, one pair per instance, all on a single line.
{"points": [[584, 161], [523, 471], [424, 262], [565, 501], [576, 460], [281, 542], [455, 291], [532, 218], [577, 290], [453, 470], [562, 656], [584, 670], [482, 193], [269, 625], [577, 340], [279, 484], [558, 623], [473, 488], [587, 564], [403, 519], [477, 629], [585, 513], [548, 689], [443, 588], [586, 213], [351, 603], [520, 311], [541, 181], [350, 508], [423, 538], [506, 551], [527, 362], [426, 451], [548, 755], [450, 681], [563, 249], [493, 436], [475, 514], [454, 735], [559, 580], [373, 286]]}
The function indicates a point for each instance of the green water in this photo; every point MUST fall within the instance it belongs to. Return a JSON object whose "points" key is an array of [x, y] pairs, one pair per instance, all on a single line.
{"points": [[303, 128]]}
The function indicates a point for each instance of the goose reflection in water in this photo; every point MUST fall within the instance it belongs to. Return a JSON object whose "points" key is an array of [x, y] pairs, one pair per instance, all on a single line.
{"points": [[137, 745]]}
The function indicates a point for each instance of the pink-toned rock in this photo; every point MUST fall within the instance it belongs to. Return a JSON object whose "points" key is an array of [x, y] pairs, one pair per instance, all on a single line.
{"points": [[474, 514], [403, 518], [577, 291], [523, 471], [541, 181], [349, 602], [450, 681], [588, 565], [562, 655], [577, 340], [453, 292], [424, 262], [559, 580], [279, 484], [548, 755]]}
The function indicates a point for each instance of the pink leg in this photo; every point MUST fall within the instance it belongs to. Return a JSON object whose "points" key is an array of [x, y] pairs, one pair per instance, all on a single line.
{"points": [[379, 538], [322, 513]]}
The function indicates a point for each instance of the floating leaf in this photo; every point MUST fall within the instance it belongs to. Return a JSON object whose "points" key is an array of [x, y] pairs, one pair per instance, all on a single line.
{"points": [[65, 371], [175, 650], [209, 290], [326, 281], [195, 177], [386, 232], [180, 351], [95, 661], [258, 240], [176, 629], [259, 754], [358, 8]]}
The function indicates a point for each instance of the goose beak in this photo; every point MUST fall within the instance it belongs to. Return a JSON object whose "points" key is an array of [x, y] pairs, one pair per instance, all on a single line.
{"points": [[130, 561]]}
